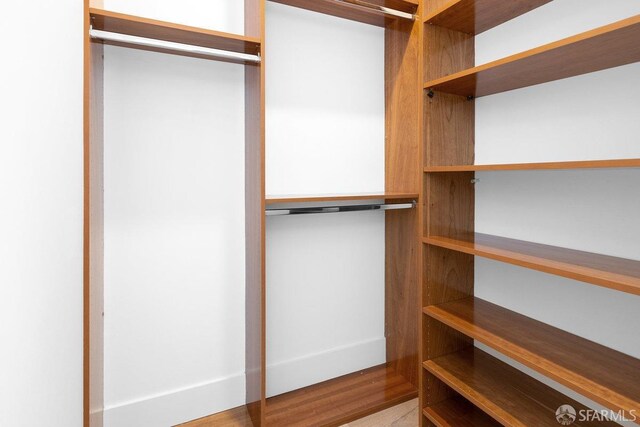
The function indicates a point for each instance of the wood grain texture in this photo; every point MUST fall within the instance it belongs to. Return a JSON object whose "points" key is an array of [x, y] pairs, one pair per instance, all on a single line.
{"points": [[450, 130], [346, 10], [506, 394], [449, 120], [403, 415], [451, 203], [448, 199], [340, 400], [93, 239], [446, 52], [273, 200], [575, 362], [605, 47], [607, 271], [255, 286], [236, 417], [341, 10], [583, 164], [476, 16], [403, 111], [171, 32], [458, 412]]}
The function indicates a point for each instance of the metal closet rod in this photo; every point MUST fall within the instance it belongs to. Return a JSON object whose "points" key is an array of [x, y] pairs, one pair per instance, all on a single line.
{"points": [[337, 209], [180, 47], [376, 8]]}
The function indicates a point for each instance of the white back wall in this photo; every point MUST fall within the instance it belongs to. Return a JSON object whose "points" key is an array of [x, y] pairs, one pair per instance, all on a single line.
{"points": [[594, 116], [41, 213], [325, 134], [174, 227]]}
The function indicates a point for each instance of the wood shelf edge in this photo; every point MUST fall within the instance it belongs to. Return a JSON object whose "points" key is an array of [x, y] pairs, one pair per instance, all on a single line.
{"points": [[252, 43], [278, 199], [600, 277], [581, 164], [549, 47], [546, 366]]}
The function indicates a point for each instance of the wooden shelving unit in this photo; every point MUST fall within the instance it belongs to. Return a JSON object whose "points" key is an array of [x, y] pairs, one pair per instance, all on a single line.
{"points": [[458, 412], [575, 362], [605, 47], [584, 164], [460, 382], [611, 272], [342, 399], [476, 16], [281, 199], [170, 32], [509, 396]]}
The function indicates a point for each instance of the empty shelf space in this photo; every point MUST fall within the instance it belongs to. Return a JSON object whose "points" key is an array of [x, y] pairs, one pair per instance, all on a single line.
{"points": [[367, 11], [272, 200], [605, 47], [600, 373], [585, 164], [340, 400], [476, 16], [607, 271], [129, 25], [505, 393], [458, 412]]}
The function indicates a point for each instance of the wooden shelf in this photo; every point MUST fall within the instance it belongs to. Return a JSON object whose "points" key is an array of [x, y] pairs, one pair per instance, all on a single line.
{"points": [[505, 393], [341, 400], [476, 16], [344, 9], [607, 271], [600, 373], [272, 200], [586, 164], [605, 47], [166, 31], [458, 412]]}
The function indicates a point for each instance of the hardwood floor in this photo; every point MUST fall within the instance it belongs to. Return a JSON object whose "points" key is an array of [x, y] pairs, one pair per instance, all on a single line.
{"points": [[403, 415]]}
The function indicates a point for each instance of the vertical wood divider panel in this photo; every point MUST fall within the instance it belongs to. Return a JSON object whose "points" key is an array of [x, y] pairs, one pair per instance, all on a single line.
{"points": [[255, 315], [448, 198], [403, 127], [93, 229]]}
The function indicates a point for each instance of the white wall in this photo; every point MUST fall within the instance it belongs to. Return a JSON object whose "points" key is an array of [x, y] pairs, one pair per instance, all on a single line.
{"points": [[174, 226], [41, 213], [325, 134], [594, 116]]}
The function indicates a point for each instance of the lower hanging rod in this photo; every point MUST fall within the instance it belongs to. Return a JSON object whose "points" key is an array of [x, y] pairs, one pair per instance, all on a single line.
{"points": [[337, 209], [376, 8], [179, 47]]}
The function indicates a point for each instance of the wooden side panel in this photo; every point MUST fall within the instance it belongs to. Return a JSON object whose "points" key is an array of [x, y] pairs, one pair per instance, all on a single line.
{"points": [[93, 264], [403, 72], [448, 200], [255, 329]]}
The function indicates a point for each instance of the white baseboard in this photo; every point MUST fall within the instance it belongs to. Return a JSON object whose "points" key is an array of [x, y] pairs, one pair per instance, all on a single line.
{"points": [[199, 401], [311, 369], [179, 406]]}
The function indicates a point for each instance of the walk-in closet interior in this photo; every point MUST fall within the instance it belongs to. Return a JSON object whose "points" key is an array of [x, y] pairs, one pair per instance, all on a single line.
{"points": [[303, 212], [305, 151]]}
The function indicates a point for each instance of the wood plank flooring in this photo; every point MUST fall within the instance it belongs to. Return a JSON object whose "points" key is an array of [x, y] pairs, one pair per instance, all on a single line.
{"points": [[403, 415]]}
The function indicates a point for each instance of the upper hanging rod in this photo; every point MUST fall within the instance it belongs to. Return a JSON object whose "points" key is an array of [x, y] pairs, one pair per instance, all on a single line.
{"points": [[336, 209], [162, 44], [376, 8]]}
